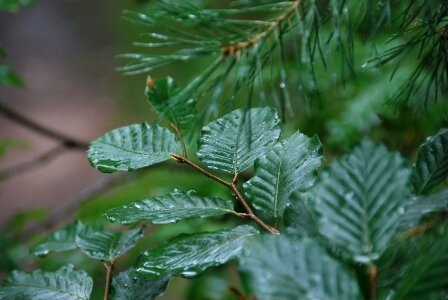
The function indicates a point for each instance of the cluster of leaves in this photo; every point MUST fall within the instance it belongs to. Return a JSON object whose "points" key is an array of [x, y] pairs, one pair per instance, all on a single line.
{"points": [[351, 232], [14, 5]]}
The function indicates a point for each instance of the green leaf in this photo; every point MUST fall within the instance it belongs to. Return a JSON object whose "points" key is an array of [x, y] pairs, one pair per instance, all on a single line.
{"points": [[160, 92], [8, 77], [300, 219], [63, 239], [170, 208], [188, 255], [285, 268], [14, 5], [107, 246], [64, 284], [130, 285], [290, 166], [361, 199], [431, 167], [426, 274], [132, 147], [423, 206], [232, 143]]}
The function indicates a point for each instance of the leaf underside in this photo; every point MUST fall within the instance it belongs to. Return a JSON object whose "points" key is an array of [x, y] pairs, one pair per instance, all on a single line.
{"points": [[232, 143], [286, 268], [289, 167], [63, 284], [170, 208], [132, 147], [361, 199], [187, 255]]}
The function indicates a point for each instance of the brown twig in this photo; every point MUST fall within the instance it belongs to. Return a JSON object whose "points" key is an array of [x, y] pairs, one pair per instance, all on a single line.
{"points": [[255, 38], [234, 188], [70, 206], [67, 141], [373, 275], [109, 270], [20, 168]]}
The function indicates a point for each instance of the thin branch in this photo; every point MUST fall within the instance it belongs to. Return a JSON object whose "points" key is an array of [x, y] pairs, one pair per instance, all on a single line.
{"points": [[109, 270], [255, 38], [373, 275], [184, 160], [181, 139], [20, 168], [70, 206], [234, 188], [67, 141]]}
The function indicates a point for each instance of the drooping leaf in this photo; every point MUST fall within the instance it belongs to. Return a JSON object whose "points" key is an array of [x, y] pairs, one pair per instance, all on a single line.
{"points": [[232, 143], [131, 285], [63, 239], [425, 205], [288, 167], [64, 284], [361, 199], [188, 255], [426, 274], [286, 268], [431, 167], [160, 92], [170, 208], [132, 147], [107, 246]]}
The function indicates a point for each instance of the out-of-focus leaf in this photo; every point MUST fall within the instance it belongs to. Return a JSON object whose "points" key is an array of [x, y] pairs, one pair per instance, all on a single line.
{"points": [[426, 275], [286, 268], [63, 239], [187, 255], [9, 144], [132, 147], [64, 284], [170, 208], [361, 199], [8, 77], [180, 113], [425, 205], [288, 167], [232, 143], [431, 167], [14, 5], [107, 246], [131, 285]]}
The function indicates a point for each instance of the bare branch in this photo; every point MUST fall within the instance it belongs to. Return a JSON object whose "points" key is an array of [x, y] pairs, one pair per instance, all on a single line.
{"points": [[67, 141], [21, 168]]}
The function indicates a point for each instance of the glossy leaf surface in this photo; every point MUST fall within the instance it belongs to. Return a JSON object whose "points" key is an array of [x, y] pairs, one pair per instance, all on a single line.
{"points": [[130, 285], [132, 147], [285, 268], [232, 143], [107, 246], [431, 167], [160, 92], [64, 284], [170, 208], [188, 255], [361, 199], [288, 167]]}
